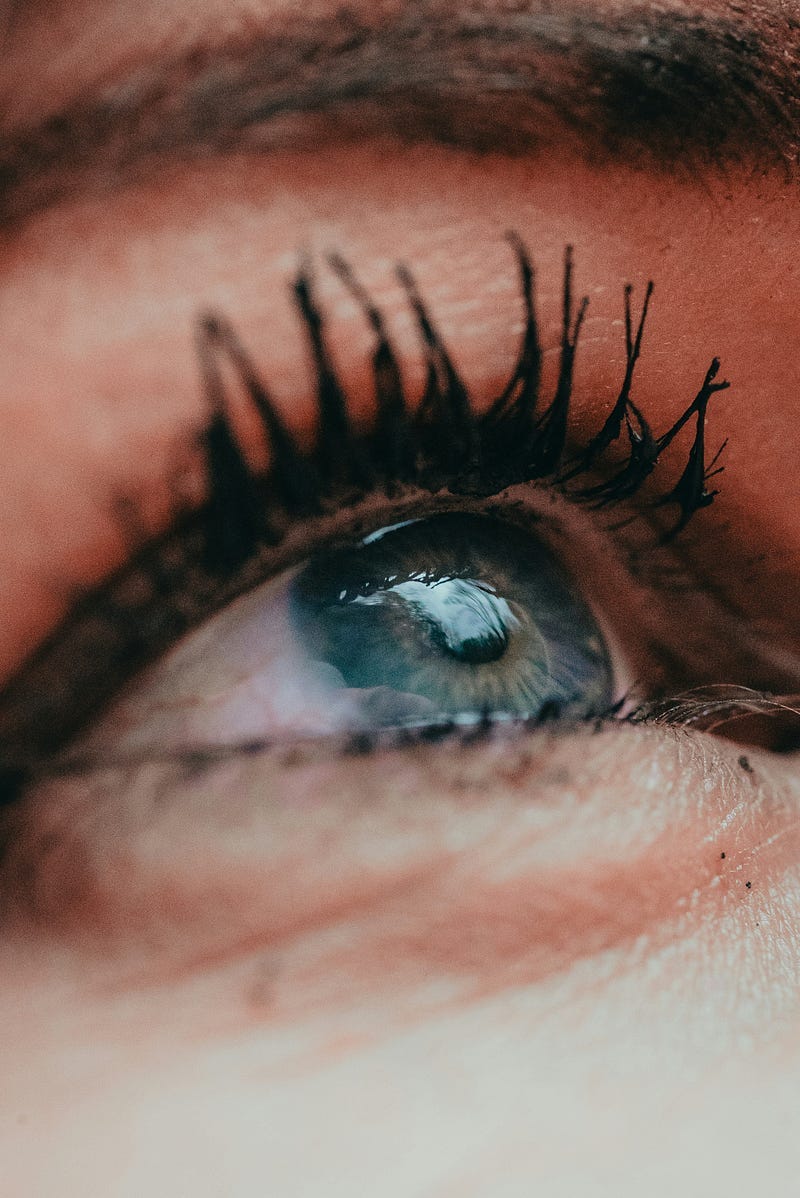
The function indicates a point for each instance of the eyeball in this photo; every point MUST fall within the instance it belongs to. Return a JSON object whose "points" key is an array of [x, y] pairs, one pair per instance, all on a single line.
{"points": [[452, 616]]}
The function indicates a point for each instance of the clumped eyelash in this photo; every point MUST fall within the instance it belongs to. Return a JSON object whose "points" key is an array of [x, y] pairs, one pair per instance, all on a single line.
{"points": [[441, 445]]}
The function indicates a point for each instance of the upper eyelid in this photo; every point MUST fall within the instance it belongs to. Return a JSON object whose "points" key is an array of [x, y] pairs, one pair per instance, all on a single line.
{"points": [[516, 441]]}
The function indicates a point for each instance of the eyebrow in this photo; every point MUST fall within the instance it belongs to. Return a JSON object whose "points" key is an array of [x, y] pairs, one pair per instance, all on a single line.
{"points": [[655, 88]]}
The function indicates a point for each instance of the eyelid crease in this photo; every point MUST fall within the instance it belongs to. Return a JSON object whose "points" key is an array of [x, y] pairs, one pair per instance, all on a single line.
{"points": [[444, 445]]}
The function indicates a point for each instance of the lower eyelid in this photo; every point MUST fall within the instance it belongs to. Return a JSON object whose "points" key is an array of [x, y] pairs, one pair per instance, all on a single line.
{"points": [[515, 853]]}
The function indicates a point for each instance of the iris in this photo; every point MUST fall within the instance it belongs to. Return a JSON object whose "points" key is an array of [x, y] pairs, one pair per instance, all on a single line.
{"points": [[456, 614]]}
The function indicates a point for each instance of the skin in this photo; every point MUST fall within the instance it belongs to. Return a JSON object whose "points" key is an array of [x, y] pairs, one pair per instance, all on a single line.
{"points": [[558, 961]]}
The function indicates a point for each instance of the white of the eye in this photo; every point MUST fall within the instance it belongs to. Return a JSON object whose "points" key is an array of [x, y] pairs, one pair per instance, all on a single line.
{"points": [[243, 676]]}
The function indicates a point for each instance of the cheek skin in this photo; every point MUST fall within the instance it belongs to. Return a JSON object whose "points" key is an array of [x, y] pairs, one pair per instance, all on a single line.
{"points": [[471, 867], [507, 932], [518, 961]]}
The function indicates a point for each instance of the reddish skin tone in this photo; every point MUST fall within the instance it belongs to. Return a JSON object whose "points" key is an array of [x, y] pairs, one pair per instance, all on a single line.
{"points": [[450, 973]]}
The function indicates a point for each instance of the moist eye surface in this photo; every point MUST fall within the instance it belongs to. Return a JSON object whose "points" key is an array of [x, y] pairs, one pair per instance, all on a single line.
{"points": [[457, 614]]}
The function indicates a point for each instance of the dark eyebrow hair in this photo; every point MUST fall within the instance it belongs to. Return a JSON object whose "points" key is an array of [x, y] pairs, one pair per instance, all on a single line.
{"points": [[652, 87]]}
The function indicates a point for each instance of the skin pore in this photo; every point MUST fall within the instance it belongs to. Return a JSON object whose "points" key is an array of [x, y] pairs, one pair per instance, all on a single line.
{"points": [[563, 962]]}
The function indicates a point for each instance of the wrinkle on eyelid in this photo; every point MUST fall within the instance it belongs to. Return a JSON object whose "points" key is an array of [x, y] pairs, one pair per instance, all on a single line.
{"points": [[480, 866]]}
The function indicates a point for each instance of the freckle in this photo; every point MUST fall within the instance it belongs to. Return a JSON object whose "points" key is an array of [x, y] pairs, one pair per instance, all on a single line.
{"points": [[748, 884], [744, 762], [722, 856]]}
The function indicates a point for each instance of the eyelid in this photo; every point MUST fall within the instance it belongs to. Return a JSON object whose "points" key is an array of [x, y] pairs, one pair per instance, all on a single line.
{"points": [[302, 840], [514, 442], [635, 615]]}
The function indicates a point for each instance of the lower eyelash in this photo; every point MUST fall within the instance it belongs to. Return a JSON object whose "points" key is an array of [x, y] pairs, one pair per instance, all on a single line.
{"points": [[442, 445], [303, 750]]}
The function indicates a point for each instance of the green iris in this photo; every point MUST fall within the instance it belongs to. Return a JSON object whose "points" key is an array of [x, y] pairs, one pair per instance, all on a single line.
{"points": [[452, 615]]}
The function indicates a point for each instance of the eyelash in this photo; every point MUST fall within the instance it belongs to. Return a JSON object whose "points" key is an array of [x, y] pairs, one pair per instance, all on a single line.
{"points": [[444, 445]]}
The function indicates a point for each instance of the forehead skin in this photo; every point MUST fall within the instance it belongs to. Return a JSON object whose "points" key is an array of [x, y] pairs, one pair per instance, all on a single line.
{"points": [[530, 969]]}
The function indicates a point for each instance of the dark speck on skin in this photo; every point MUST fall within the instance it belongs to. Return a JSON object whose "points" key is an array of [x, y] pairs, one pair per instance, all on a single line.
{"points": [[359, 745], [748, 884], [193, 765], [722, 856], [745, 764], [292, 759], [516, 771]]}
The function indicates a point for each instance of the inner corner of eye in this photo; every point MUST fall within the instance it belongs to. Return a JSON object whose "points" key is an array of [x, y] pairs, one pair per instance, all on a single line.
{"points": [[454, 616]]}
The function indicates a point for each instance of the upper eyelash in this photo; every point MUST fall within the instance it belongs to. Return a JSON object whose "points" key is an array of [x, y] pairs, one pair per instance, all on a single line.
{"points": [[442, 444]]}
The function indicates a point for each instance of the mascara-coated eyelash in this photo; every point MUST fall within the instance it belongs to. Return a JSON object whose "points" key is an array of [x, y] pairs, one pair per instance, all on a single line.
{"points": [[441, 445], [444, 444]]}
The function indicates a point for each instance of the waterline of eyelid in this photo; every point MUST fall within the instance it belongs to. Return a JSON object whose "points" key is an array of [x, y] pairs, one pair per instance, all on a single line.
{"points": [[466, 728]]}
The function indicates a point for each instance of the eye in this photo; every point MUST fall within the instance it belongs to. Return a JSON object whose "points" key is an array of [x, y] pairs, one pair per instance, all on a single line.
{"points": [[455, 616], [380, 602]]}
